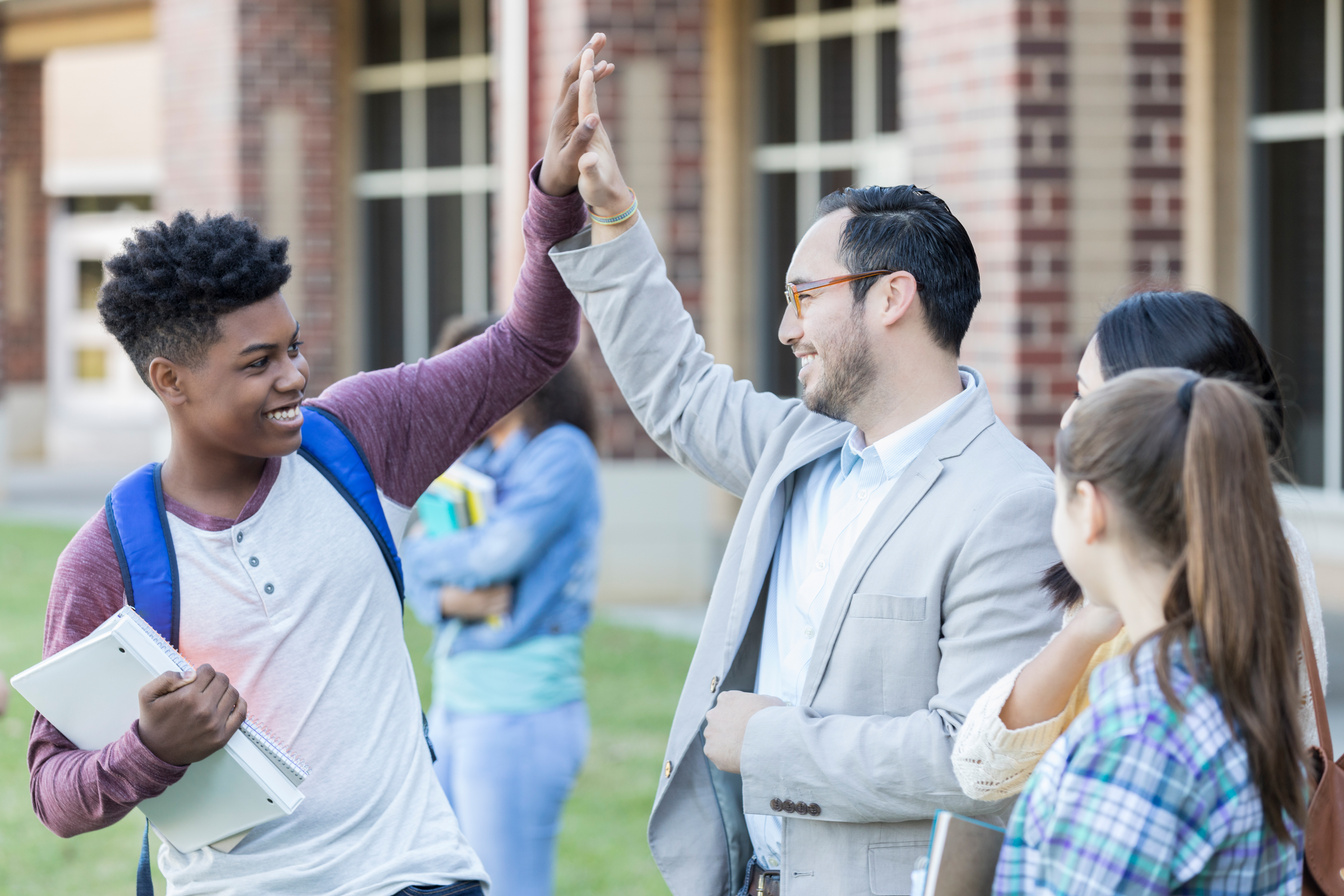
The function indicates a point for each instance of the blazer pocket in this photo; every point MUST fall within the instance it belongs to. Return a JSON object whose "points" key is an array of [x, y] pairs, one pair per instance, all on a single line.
{"points": [[890, 864], [870, 605]]}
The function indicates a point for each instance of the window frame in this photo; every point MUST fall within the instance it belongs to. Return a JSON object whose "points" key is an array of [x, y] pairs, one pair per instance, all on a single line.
{"points": [[872, 154], [1326, 124], [416, 182]]}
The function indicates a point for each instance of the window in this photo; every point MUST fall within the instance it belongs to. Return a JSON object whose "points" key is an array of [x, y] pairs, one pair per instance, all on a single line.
{"points": [[1296, 131], [426, 178], [828, 118]]}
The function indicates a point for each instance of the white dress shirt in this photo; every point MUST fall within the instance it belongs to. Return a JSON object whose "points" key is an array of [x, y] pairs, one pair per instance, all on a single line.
{"points": [[834, 498]]}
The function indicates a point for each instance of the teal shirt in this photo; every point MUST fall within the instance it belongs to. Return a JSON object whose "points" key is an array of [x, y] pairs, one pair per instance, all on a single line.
{"points": [[533, 676]]}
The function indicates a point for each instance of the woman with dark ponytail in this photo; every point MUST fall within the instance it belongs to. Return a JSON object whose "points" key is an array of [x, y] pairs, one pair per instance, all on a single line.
{"points": [[1011, 726], [1182, 775]]}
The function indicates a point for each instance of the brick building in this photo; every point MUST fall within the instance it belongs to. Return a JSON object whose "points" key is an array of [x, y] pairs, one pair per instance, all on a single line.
{"points": [[1091, 147]]}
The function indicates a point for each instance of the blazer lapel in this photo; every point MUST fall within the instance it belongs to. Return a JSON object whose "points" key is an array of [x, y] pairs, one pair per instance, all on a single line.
{"points": [[907, 492], [766, 523], [974, 416]]}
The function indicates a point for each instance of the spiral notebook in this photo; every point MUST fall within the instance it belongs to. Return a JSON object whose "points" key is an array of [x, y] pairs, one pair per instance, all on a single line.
{"points": [[91, 692]]}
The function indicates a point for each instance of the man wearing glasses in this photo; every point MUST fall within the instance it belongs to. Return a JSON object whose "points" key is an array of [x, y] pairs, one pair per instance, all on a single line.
{"points": [[883, 570]]}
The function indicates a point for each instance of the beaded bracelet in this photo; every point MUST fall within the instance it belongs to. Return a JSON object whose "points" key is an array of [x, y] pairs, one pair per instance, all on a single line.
{"points": [[617, 218]]}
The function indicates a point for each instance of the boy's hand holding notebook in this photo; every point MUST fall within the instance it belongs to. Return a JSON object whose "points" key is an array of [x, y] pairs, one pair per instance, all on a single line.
{"points": [[238, 776], [186, 717]]}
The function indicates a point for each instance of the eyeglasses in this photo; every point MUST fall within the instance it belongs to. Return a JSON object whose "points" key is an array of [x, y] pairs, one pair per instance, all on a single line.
{"points": [[792, 291]]}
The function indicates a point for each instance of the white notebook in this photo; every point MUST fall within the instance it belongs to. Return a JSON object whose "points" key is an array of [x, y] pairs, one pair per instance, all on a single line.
{"points": [[91, 692]]}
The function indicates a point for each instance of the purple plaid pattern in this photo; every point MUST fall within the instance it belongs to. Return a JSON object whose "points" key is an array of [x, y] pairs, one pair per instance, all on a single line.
{"points": [[1136, 798]]}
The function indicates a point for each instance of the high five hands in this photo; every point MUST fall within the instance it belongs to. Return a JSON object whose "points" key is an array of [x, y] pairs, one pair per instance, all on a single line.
{"points": [[578, 150]]}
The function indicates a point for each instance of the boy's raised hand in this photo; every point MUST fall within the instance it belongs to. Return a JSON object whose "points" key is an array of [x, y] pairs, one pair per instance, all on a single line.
{"points": [[569, 136], [185, 719]]}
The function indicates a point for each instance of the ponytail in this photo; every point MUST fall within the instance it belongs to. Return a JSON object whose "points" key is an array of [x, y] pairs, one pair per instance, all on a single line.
{"points": [[1185, 458], [1238, 581]]}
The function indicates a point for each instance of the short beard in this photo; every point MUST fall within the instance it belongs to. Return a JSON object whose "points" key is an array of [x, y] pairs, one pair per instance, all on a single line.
{"points": [[847, 372]]}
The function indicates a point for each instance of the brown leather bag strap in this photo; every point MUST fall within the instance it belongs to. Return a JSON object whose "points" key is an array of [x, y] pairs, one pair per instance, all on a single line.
{"points": [[1317, 694]]}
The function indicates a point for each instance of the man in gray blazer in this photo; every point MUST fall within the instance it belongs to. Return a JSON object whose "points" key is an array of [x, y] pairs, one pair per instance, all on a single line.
{"points": [[883, 570]]}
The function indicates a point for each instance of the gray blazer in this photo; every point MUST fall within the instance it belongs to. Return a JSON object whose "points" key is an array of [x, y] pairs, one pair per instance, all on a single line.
{"points": [[938, 600]]}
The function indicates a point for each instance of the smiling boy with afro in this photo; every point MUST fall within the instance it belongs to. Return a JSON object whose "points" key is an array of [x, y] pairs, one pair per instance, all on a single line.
{"points": [[287, 606]]}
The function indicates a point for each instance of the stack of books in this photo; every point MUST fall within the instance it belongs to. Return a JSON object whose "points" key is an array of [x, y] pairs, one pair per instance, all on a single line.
{"points": [[459, 498]]}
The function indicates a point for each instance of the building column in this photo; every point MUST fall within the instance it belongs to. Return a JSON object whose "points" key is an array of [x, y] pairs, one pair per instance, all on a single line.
{"points": [[24, 210], [985, 94], [250, 99]]}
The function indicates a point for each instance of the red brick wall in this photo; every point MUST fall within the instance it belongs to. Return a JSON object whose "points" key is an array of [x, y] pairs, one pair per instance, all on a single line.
{"points": [[1155, 60], [227, 64], [24, 355], [1043, 379], [986, 116], [286, 60], [199, 42]]}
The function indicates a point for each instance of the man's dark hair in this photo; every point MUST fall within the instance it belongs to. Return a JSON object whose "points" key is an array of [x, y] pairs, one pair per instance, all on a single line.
{"points": [[908, 229], [167, 289]]}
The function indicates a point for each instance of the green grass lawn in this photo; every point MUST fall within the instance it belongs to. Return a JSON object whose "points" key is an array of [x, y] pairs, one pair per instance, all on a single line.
{"points": [[634, 678]]}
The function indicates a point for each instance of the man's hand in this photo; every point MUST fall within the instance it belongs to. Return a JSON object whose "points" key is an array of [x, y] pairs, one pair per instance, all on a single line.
{"points": [[600, 180], [569, 137], [184, 720], [476, 603], [726, 726]]}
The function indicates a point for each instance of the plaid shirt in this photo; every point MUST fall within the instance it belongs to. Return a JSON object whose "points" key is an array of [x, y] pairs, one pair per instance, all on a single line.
{"points": [[1135, 798]]}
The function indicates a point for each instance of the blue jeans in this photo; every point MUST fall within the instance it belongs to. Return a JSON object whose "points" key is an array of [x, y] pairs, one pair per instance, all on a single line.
{"points": [[507, 778]]}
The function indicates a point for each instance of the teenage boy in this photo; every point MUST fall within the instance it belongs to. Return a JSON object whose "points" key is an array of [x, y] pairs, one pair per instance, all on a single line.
{"points": [[288, 608], [884, 567]]}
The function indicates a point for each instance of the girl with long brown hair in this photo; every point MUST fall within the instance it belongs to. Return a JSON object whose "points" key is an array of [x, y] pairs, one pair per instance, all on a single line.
{"points": [[1183, 773], [1011, 725]]}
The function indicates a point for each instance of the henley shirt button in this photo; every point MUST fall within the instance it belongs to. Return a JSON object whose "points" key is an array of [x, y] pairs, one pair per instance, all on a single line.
{"points": [[270, 589], [776, 804], [240, 538], [254, 561], [667, 769]]}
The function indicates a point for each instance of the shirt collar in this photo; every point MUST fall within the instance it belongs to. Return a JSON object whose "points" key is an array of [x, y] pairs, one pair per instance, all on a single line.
{"points": [[895, 451]]}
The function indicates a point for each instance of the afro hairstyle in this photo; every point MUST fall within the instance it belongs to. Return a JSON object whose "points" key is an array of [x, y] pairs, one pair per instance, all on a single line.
{"points": [[167, 289]]}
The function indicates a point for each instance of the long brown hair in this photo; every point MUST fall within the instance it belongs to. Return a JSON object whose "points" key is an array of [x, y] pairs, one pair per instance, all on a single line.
{"points": [[1184, 460]]}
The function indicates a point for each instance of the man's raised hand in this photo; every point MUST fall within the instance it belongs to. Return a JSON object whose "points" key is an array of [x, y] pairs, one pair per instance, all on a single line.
{"points": [[600, 180], [569, 136]]}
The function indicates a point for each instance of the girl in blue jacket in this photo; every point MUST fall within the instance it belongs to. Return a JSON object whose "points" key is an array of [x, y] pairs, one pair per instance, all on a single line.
{"points": [[509, 599]]}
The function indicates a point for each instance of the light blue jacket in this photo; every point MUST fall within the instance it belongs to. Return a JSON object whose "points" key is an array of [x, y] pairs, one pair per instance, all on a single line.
{"points": [[541, 536]]}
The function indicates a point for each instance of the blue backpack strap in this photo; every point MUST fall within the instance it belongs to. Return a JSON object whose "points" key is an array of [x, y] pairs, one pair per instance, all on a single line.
{"points": [[138, 523], [144, 879], [330, 447]]}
